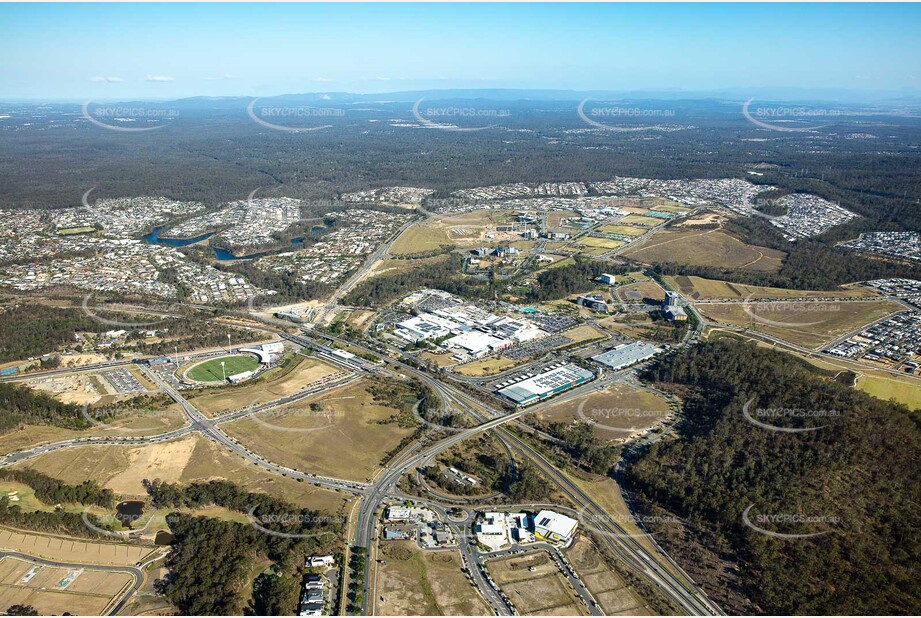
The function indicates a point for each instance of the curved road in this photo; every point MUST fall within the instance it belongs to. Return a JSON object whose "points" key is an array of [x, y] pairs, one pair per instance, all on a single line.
{"points": [[135, 572]]}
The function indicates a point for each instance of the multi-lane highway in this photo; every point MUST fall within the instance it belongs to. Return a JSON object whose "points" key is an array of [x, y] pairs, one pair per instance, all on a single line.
{"points": [[655, 567], [658, 569]]}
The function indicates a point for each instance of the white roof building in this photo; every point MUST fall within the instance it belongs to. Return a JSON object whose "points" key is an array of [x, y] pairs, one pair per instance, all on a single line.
{"points": [[275, 347], [426, 326], [554, 526], [477, 343]]}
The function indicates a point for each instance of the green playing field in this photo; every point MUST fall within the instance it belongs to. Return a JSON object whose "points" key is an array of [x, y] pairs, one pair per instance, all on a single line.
{"points": [[210, 371]]}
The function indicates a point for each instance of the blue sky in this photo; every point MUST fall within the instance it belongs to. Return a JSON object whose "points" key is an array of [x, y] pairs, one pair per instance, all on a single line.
{"points": [[56, 51]]}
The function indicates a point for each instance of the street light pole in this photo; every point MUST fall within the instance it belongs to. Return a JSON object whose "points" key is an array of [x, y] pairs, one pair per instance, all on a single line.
{"points": [[223, 373]]}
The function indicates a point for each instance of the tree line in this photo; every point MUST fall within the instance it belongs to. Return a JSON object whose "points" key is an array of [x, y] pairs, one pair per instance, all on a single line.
{"points": [[21, 405], [853, 472], [210, 559]]}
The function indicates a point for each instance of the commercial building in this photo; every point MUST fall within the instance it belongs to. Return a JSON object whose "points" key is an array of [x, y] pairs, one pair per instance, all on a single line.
{"points": [[607, 279], [626, 355], [275, 347], [320, 561], [240, 377], [477, 343], [424, 326], [547, 384], [554, 526], [473, 331], [675, 314], [671, 306], [395, 534], [595, 302]]}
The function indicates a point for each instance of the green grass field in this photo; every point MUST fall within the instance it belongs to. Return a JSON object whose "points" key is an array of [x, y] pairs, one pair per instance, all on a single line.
{"points": [[210, 371]]}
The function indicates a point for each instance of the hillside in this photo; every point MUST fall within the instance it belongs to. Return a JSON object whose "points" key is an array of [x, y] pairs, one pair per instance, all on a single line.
{"points": [[851, 484]]}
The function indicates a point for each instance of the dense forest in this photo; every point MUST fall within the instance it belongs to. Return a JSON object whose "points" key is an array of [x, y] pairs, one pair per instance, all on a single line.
{"points": [[195, 158], [210, 559], [560, 282], [32, 330], [853, 479], [21, 405], [52, 491]]}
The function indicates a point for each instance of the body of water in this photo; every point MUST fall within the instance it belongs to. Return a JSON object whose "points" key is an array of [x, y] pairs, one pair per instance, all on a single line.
{"points": [[222, 255], [154, 238], [127, 512]]}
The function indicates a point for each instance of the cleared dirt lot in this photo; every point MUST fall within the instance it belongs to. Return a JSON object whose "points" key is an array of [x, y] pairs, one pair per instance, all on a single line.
{"points": [[64, 549], [807, 323], [54, 590], [183, 461], [486, 366], [345, 438], [543, 591], [414, 582], [605, 585], [697, 288], [707, 248], [617, 412], [463, 230], [636, 292]]}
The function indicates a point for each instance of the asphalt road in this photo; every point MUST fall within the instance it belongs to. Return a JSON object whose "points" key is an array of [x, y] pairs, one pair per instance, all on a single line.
{"points": [[681, 590]]}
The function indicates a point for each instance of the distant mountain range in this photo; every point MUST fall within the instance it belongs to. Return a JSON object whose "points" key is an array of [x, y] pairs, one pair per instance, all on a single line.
{"points": [[911, 96]]}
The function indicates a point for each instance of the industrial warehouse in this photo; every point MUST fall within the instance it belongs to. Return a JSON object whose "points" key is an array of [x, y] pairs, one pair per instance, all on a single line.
{"points": [[626, 355], [547, 384]]}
